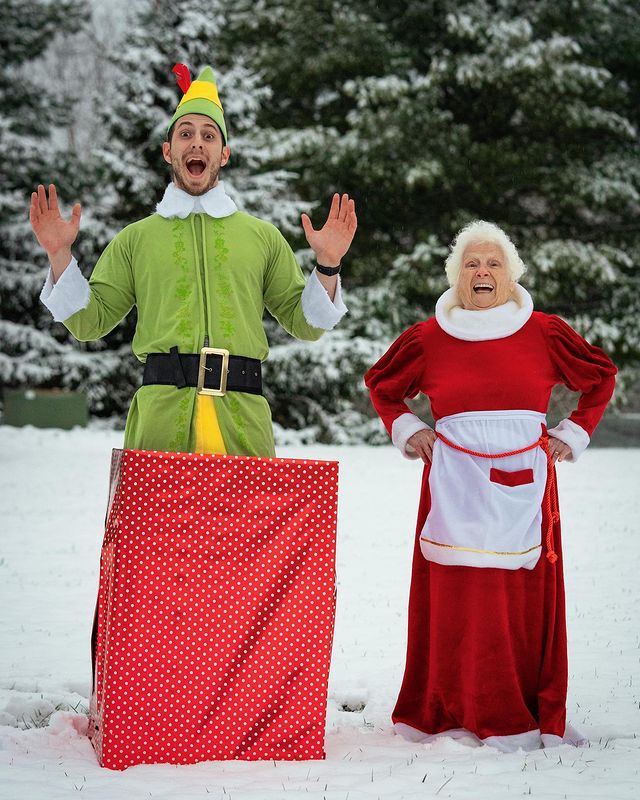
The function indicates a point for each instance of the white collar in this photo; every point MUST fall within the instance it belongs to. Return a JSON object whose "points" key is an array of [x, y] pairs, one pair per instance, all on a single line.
{"points": [[178, 203], [479, 326]]}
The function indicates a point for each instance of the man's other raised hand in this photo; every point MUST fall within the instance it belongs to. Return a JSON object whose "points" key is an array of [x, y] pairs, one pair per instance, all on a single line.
{"points": [[54, 233], [332, 241]]}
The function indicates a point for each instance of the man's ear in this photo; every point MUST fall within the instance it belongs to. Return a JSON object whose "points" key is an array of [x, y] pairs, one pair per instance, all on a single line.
{"points": [[166, 152], [226, 155]]}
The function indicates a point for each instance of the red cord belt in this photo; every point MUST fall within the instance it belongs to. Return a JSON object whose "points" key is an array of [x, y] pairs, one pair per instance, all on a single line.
{"points": [[549, 501]]}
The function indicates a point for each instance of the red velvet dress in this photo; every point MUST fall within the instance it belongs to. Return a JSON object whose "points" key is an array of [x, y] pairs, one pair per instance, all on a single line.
{"points": [[487, 648]]}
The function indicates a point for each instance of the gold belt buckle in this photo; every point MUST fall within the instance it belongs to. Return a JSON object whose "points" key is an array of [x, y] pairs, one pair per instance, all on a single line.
{"points": [[224, 371]]}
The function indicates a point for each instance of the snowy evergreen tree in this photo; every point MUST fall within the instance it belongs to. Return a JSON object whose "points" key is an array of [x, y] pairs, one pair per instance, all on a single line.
{"points": [[430, 113], [525, 114], [33, 351]]}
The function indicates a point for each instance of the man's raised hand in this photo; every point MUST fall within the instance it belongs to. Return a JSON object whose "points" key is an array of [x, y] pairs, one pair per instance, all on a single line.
{"points": [[54, 233], [333, 240]]}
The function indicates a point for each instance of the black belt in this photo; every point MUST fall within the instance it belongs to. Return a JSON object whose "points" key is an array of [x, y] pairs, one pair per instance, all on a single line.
{"points": [[212, 370]]}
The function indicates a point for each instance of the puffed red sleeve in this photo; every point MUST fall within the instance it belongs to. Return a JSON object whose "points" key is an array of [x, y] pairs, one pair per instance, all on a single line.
{"points": [[393, 379], [583, 368]]}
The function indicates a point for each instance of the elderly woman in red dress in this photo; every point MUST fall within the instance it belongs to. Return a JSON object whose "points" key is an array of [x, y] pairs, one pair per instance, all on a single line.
{"points": [[487, 649]]}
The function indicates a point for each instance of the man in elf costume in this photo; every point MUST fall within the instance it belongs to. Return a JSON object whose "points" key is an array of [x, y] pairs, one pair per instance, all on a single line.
{"points": [[200, 273]]}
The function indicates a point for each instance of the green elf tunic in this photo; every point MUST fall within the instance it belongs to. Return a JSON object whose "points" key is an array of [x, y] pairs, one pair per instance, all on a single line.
{"points": [[196, 269]]}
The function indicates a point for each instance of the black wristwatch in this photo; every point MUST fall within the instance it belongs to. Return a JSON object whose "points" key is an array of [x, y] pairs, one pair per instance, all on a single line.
{"points": [[328, 270]]}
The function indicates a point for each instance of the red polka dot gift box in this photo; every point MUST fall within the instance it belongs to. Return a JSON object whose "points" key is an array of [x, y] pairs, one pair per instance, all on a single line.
{"points": [[215, 610]]}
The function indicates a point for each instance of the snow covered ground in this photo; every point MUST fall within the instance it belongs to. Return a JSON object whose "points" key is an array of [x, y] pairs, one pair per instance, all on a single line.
{"points": [[53, 494]]}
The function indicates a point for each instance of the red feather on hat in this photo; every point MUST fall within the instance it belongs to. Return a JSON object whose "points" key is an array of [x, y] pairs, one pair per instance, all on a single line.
{"points": [[183, 76]]}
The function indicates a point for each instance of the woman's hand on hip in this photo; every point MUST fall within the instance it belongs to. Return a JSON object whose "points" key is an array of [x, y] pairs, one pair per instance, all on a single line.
{"points": [[559, 450], [422, 443]]}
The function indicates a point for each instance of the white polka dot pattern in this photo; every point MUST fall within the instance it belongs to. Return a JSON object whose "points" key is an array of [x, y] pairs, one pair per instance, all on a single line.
{"points": [[215, 609]]}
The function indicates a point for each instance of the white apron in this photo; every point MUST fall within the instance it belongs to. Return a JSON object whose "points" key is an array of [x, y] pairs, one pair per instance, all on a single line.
{"points": [[486, 512]]}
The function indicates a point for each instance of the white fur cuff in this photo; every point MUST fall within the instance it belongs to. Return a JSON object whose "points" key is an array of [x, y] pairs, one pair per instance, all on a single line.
{"points": [[317, 307], [69, 294], [573, 435], [403, 429]]}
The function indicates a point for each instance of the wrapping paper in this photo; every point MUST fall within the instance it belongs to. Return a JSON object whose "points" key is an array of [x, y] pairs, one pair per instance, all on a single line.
{"points": [[215, 612]]}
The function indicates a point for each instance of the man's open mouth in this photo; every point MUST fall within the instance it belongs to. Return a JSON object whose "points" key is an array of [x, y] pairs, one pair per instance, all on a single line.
{"points": [[195, 167], [483, 288]]}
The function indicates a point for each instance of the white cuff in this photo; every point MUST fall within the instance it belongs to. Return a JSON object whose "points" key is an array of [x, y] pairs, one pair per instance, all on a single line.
{"points": [[69, 294], [317, 308], [403, 429], [572, 434]]}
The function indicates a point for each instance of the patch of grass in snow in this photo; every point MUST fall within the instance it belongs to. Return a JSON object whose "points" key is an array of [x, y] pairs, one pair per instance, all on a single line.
{"points": [[39, 717]]}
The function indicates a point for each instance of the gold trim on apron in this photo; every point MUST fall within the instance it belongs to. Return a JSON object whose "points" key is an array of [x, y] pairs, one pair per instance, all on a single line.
{"points": [[475, 550]]}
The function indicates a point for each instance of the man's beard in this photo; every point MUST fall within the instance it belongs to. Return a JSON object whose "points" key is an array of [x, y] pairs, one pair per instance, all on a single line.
{"points": [[176, 177]]}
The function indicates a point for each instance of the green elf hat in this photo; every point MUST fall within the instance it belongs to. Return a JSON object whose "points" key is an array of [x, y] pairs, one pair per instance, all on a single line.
{"points": [[200, 97]]}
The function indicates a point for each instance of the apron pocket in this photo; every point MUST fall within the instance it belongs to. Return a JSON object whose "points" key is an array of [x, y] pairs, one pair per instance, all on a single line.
{"points": [[518, 477]]}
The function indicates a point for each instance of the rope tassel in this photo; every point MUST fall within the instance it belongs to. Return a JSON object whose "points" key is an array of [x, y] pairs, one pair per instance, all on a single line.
{"points": [[550, 503]]}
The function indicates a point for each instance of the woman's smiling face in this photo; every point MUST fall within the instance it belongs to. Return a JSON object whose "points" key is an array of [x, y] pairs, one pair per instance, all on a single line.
{"points": [[484, 280]]}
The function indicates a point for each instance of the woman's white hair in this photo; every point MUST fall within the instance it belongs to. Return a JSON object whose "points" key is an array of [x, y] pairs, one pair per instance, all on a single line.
{"points": [[481, 231]]}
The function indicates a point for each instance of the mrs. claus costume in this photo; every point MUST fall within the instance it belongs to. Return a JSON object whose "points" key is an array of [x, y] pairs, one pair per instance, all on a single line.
{"points": [[487, 650]]}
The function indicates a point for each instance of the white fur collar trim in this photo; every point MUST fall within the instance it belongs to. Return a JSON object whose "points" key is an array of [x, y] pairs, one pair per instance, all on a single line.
{"points": [[478, 326], [178, 203]]}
